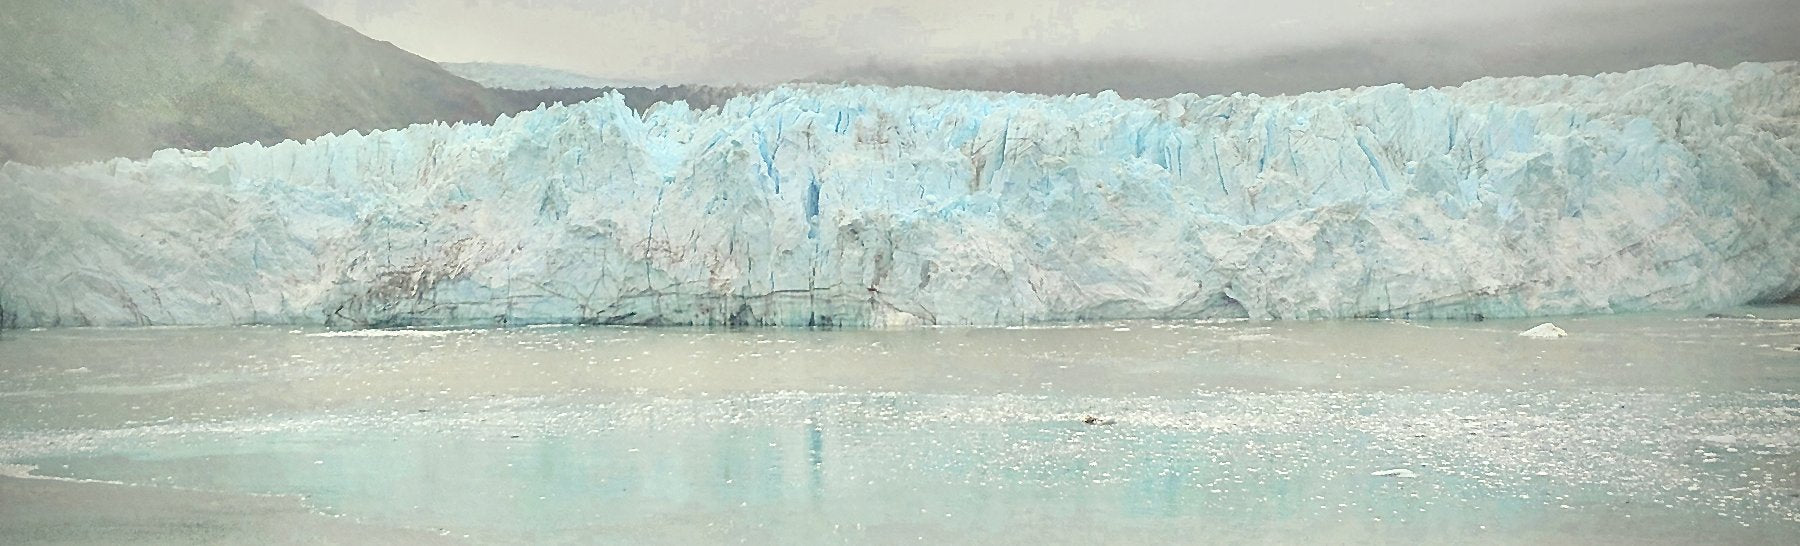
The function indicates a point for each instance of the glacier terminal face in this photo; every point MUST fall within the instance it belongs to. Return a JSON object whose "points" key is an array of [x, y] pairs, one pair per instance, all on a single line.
{"points": [[1666, 188]]}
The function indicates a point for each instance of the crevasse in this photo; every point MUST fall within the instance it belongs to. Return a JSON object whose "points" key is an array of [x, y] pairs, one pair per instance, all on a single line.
{"points": [[1672, 187]]}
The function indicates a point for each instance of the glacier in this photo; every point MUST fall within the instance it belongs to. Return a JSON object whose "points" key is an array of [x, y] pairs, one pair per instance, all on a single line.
{"points": [[1671, 187]]}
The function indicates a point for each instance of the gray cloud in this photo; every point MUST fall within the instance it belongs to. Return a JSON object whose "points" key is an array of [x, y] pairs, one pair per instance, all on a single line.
{"points": [[762, 41]]}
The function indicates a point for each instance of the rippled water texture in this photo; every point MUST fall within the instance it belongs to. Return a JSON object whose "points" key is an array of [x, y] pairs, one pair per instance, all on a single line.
{"points": [[1653, 428]]}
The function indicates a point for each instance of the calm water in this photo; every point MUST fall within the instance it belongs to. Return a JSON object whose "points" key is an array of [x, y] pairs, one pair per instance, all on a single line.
{"points": [[1651, 428]]}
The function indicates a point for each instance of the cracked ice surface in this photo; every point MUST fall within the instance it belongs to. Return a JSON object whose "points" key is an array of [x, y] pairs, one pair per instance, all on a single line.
{"points": [[1666, 188]]}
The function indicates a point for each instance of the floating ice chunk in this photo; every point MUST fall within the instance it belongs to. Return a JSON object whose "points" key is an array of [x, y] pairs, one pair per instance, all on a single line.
{"points": [[9, 470], [1395, 473], [1731, 316], [1544, 331]]}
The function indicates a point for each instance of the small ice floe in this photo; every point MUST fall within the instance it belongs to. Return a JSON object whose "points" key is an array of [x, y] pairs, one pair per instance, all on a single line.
{"points": [[1092, 420], [1721, 439], [1544, 331], [1395, 473], [23, 471]]}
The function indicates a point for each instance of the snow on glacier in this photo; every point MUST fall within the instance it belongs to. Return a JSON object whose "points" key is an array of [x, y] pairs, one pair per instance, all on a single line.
{"points": [[1665, 188]]}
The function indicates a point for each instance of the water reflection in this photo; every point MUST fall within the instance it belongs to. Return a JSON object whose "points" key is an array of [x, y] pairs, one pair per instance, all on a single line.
{"points": [[1225, 431], [1240, 467]]}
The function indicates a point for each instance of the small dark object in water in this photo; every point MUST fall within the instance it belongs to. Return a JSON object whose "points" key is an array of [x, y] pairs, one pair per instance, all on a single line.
{"points": [[1097, 421]]}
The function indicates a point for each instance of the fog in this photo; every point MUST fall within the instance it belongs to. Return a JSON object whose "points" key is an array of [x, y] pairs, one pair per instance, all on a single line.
{"points": [[1271, 46]]}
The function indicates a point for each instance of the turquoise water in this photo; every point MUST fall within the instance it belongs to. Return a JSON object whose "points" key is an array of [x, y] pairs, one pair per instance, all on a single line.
{"points": [[1649, 428]]}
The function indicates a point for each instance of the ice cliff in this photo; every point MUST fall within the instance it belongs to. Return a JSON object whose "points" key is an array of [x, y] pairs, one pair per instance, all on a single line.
{"points": [[1666, 188]]}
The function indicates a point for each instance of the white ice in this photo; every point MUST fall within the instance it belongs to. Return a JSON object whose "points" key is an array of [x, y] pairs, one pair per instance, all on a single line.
{"points": [[1672, 187]]}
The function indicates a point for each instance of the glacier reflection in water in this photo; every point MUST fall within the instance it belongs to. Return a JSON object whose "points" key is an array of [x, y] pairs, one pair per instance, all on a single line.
{"points": [[1652, 427]]}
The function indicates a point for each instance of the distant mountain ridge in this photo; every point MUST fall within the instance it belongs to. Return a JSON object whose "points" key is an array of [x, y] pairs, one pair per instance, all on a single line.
{"points": [[522, 77], [1440, 58], [552, 85], [95, 79]]}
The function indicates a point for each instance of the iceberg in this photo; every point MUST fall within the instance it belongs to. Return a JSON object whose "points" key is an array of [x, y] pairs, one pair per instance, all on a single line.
{"points": [[1672, 187], [1544, 331]]}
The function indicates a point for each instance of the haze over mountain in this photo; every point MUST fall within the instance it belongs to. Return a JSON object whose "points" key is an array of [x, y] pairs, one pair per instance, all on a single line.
{"points": [[1756, 31], [524, 77], [1137, 47], [94, 79]]}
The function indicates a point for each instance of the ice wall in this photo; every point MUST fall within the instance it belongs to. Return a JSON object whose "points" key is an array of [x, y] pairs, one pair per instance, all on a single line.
{"points": [[1666, 188]]}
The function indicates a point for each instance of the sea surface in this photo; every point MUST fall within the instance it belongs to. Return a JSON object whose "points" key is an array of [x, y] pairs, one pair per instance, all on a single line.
{"points": [[1657, 428]]}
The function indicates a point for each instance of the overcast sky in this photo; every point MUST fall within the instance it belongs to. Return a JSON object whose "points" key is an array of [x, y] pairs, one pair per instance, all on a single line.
{"points": [[762, 41]]}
